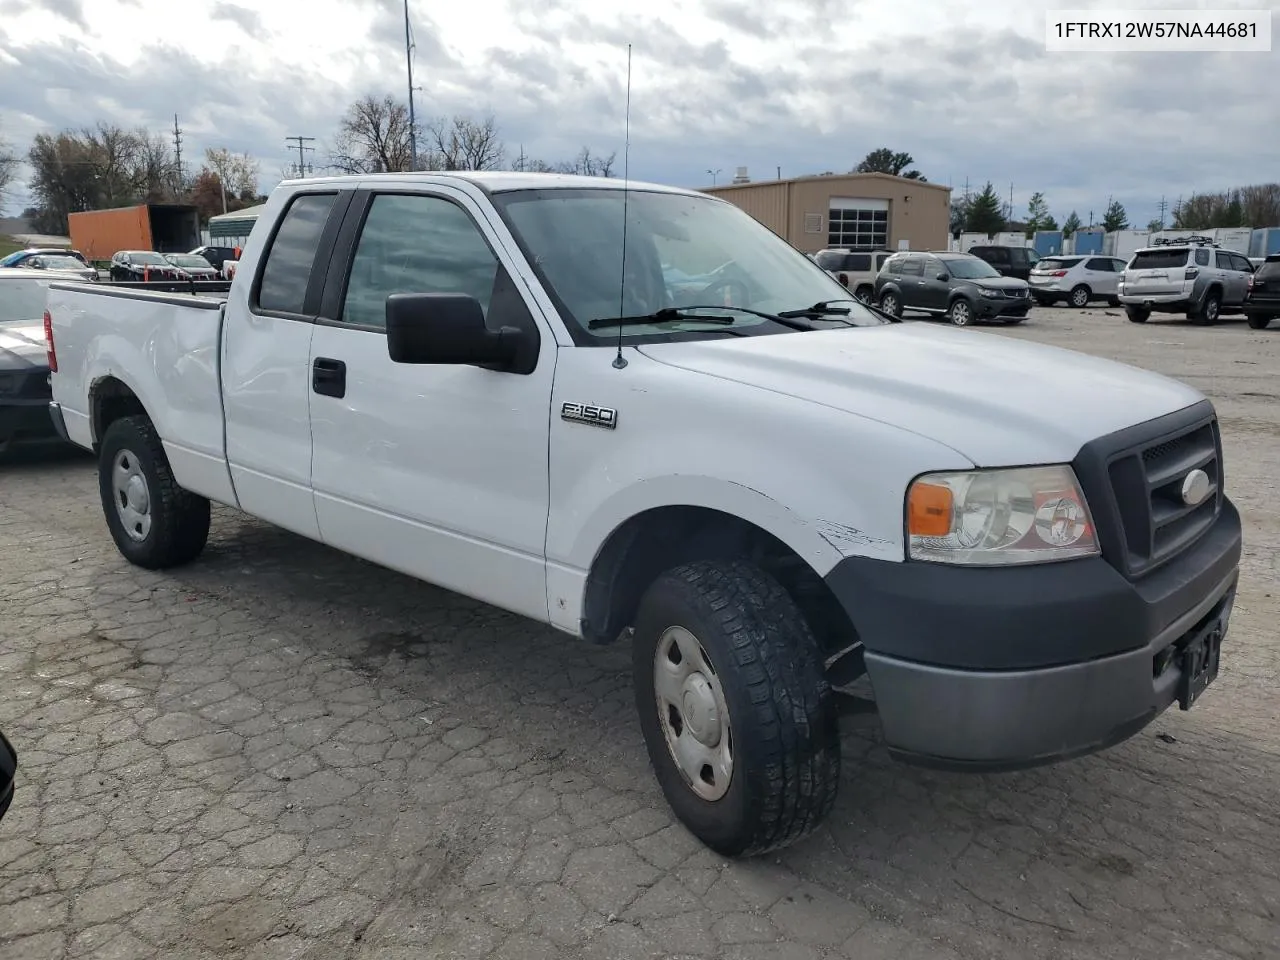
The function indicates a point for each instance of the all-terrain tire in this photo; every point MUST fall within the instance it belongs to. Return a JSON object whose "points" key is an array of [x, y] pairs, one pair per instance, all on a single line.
{"points": [[782, 714], [1137, 314], [1209, 313], [178, 519]]}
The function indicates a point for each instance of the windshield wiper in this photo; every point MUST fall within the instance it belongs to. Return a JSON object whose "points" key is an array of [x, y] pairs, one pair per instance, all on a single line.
{"points": [[822, 308], [672, 314]]}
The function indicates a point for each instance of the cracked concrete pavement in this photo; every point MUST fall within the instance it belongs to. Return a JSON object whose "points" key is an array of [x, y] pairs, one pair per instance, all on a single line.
{"points": [[283, 752]]}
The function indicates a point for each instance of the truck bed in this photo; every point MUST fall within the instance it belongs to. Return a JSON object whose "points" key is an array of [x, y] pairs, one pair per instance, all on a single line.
{"points": [[119, 341]]}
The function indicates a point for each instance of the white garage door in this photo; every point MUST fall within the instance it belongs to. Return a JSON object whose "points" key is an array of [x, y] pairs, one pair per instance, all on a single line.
{"points": [[858, 223]]}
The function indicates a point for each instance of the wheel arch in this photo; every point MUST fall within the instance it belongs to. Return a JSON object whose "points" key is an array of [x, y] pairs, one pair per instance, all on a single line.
{"points": [[647, 543], [111, 399]]}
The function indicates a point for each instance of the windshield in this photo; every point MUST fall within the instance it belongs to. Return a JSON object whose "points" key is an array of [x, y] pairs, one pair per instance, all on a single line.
{"points": [[149, 259], [682, 251], [970, 269], [60, 263], [22, 300], [183, 260]]}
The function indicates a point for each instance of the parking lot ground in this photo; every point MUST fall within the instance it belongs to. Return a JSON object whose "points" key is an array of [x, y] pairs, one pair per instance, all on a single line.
{"points": [[283, 752]]}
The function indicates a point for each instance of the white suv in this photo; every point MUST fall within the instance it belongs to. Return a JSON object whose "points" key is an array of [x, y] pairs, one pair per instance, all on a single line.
{"points": [[1076, 280], [855, 270], [1191, 276]]}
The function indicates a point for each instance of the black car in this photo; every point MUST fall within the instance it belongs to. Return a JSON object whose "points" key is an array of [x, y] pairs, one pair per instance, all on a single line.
{"points": [[1262, 303], [215, 255], [958, 286], [143, 265], [24, 362], [1008, 261]]}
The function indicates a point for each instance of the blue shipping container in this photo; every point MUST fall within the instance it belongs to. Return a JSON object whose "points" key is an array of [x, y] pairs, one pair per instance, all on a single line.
{"points": [[1265, 242], [1048, 243], [1089, 241]]}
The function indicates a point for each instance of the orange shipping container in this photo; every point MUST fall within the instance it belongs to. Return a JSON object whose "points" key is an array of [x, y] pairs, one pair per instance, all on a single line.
{"points": [[165, 228]]}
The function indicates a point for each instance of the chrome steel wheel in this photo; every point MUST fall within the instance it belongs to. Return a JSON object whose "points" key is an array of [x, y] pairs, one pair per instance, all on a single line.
{"points": [[693, 713], [132, 495]]}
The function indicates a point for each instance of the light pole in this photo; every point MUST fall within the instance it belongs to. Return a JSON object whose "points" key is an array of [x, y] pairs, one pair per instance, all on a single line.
{"points": [[714, 175], [408, 59]]}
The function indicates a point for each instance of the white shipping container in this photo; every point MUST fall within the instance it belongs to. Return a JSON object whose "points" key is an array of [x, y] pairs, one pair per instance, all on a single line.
{"points": [[1008, 238], [1125, 243], [1179, 234], [968, 240], [1233, 238]]}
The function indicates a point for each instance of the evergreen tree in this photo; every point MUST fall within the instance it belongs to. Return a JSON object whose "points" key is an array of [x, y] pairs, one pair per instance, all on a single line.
{"points": [[1037, 215], [1115, 218], [1071, 224], [986, 212]]}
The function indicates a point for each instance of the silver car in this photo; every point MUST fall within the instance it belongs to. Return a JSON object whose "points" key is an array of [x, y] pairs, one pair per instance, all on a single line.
{"points": [[1193, 277], [1077, 280]]}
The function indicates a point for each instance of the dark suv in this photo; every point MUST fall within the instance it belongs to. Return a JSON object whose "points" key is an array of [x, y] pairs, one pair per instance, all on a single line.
{"points": [[1008, 261], [958, 286], [1262, 305]]}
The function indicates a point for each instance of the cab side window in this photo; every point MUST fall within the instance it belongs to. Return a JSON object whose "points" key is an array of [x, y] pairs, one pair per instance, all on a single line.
{"points": [[415, 243], [287, 271], [913, 267]]}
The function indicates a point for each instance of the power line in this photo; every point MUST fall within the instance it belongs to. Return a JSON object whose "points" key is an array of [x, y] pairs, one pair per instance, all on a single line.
{"points": [[302, 152]]}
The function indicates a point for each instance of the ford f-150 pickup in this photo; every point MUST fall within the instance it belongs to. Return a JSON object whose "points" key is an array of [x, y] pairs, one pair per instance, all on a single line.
{"points": [[634, 413]]}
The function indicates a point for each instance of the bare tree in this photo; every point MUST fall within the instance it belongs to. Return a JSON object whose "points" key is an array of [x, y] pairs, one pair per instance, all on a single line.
{"points": [[237, 173], [588, 164], [114, 155], [8, 169], [373, 137], [461, 143], [156, 168]]}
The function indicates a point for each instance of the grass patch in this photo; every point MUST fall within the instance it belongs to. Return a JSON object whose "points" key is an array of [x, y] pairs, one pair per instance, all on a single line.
{"points": [[9, 245]]}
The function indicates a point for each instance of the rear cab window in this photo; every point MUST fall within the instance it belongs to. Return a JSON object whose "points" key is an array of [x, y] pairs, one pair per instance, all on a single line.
{"points": [[286, 272]]}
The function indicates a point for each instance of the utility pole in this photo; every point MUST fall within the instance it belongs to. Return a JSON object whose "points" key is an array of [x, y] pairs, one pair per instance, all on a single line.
{"points": [[1010, 201], [301, 143], [177, 153], [779, 173], [520, 159], [408, 60], [1163, 207], [715, 174]]}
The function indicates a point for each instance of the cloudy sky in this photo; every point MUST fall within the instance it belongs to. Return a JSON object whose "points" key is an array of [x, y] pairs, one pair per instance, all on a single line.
{"points": [[801, 85]]}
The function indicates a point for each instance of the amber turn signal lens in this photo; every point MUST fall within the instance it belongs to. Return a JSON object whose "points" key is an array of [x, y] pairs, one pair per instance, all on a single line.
{"points": [[929, 507]]}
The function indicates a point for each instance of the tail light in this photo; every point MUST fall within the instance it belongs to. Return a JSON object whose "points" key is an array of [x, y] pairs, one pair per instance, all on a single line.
{"points": [[50, 352], [1058, 273], [1191, 274]]}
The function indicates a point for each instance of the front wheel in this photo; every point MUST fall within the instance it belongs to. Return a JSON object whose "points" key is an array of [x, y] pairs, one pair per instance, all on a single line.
{"points": [[738, 717], [154, 522], [1257, 322], [960, 313], [1209, 311]]}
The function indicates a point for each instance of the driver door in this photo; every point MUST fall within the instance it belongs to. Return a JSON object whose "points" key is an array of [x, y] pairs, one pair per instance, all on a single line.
{"points": [[439, 471]]}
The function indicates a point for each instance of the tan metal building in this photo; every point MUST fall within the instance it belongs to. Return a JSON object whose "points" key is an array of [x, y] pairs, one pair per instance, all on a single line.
{"points": [[858, 211]]}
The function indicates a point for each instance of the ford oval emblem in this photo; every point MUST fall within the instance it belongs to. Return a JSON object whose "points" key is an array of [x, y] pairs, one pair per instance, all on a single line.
{"points": [[1195, 487]]}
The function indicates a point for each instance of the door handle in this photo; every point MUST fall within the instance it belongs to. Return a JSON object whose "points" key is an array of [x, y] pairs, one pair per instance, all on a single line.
{"points": [[329, 377]]}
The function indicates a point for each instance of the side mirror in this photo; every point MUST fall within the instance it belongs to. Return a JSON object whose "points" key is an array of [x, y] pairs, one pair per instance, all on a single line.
{"points": [[944, 276], [446, 328], [8, 768]]}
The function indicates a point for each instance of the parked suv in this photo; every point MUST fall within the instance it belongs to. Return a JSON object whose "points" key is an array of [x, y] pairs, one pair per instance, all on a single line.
{"points": [[961, 287], [1008, 261], [856, 271], [1076, 280], [1262, 305], [1190, 276]]}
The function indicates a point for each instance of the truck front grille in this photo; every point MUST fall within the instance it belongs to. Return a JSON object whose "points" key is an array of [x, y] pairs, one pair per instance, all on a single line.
{"points": [[1137, 483]]}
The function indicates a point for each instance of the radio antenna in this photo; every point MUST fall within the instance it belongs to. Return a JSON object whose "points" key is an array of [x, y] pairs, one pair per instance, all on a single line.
{"points": [[619, 361]]}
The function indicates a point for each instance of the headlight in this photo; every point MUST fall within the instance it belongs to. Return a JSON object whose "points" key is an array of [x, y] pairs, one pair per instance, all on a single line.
{"points": [[991, 292], [999, 517]]}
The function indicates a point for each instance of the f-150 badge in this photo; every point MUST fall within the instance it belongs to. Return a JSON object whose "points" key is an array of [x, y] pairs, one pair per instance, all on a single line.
{"points": [[589, 413]]}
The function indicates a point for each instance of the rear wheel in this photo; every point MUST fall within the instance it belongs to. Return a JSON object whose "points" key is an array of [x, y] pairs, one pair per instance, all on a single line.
{"points": [[738, 717], [1209, 311], [890, 304], [1079, 296], [960, 312], [1113, 301], [1137, 314], [863, 293], [154, 522]]}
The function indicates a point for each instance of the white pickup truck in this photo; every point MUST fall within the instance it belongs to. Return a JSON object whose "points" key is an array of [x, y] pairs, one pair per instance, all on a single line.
{"points": [[680, 435]]}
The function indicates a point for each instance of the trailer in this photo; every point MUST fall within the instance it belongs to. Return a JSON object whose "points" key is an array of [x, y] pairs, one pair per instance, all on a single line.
{"points": [[162, 227]]}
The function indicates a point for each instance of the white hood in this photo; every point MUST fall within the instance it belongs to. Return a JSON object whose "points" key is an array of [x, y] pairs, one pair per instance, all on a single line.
{"points": [[996, 400]]}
